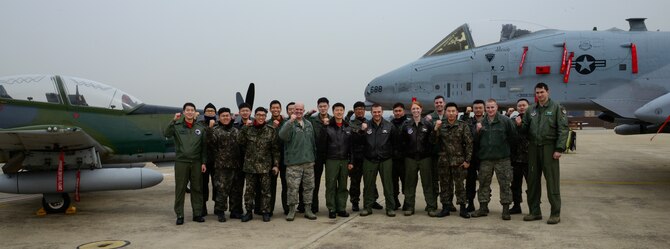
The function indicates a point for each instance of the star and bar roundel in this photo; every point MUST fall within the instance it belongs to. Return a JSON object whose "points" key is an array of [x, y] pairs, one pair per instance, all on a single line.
{"points": [[586, 64]]}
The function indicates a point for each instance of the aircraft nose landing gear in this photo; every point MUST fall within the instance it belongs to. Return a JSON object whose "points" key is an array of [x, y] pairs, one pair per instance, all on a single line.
{"points": [[56, 203]]}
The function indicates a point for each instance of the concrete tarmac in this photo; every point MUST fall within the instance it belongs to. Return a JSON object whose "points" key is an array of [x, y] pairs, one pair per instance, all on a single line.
{"points": [[615, 193]]}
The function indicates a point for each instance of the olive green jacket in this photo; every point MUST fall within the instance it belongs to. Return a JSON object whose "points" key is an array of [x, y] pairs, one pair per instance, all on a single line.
{"points": [[546, 125], [190, 144]]}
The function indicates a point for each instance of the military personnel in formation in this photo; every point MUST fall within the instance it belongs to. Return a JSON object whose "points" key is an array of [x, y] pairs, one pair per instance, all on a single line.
{"points": [[191, 157], [415, 137], [322, 104], [299, 155], [547, 129], [471, 178], [336, 140], [519, 159], [398, 120], [261, 157], [225, 139], [496, 135], [454, 139], [440, 114], [379, 142], [356, 173]]}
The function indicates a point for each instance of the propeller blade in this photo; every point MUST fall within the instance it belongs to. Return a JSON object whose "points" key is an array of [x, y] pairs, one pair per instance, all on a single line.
{"points": [[251, 92], [239, 98]]}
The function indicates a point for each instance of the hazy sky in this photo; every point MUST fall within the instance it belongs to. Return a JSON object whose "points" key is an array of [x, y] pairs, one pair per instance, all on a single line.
{"points": [[168, 52]]}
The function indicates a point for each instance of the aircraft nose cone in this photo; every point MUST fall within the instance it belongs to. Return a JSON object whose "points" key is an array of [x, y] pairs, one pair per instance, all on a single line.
{"points": [[150, 177]]}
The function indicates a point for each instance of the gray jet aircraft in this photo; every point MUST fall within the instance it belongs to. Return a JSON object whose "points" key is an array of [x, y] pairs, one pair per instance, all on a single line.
{"points": [[624, 74]]}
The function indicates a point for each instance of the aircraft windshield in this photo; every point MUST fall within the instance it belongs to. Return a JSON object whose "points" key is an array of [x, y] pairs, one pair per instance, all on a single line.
{"points": [[83, 92], [457, 40], [38, 88], [488, 32]]}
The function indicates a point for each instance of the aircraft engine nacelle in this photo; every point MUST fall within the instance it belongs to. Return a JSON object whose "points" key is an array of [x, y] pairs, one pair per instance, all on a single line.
{"points": [[90, 180]]}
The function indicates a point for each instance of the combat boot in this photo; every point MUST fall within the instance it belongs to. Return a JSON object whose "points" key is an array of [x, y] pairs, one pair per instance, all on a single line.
{"points": [[355, 207], [266, 217], [505, 212], [464, 212], [390, 213], [410, 212], [443, 213], [553, 220], [516, 209], [366, 212], [291, 213], [531, 217], [308, 212], [248, 216], [482, 211]]}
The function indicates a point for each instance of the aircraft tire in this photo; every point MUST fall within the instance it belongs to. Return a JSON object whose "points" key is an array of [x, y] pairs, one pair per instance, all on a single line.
{"points": [[56, 207]]}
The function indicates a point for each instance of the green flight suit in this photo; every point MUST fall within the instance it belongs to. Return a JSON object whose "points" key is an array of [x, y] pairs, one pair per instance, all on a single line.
{"points": [[191, 154], [547, 129]]}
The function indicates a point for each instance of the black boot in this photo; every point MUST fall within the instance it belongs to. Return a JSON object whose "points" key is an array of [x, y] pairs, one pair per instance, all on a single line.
{"points": [[355, 207], [266, 217], [464, 212], [247, 217], [443, 213]]}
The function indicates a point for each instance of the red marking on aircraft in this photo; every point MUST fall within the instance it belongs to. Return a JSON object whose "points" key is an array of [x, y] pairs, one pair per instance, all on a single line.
{"points": [[75, 115]]}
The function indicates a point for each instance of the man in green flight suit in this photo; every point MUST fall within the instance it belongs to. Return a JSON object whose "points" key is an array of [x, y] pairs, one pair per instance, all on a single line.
{"points": [[546, 124], [191, 156]]}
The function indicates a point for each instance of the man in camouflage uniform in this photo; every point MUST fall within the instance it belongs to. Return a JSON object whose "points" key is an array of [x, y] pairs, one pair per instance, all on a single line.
{"points": [[261, 158], [440, 114], [496, 135], [235, 199], [299, 154], [356, 173], [454, 139], [225, 138], [519, 159], [191, 156], [547, 129]]}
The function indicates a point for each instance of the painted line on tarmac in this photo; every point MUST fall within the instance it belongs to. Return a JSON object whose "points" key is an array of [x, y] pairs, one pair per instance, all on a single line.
{"points": [[585, 182]]}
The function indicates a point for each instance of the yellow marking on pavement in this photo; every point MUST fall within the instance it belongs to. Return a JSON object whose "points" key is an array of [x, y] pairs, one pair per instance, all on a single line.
{"points": [[585, 182]]}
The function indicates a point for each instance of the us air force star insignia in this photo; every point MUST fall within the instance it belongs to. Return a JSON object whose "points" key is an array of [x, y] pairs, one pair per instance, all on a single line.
{"points": [[198, 132], [385, 131], [369, 132], [424, 130], [410, 131], [533, 114]]}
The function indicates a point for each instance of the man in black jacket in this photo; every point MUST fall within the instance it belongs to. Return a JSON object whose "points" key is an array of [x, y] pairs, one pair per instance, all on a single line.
{"points": [[336, 139], [378, 153]]}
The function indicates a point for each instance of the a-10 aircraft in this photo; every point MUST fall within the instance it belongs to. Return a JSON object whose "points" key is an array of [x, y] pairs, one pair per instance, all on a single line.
{"points": [[624, 74], [62, 135]]}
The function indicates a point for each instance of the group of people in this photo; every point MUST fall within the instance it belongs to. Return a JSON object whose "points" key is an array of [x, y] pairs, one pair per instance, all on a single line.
{"points": [[449, 154]]}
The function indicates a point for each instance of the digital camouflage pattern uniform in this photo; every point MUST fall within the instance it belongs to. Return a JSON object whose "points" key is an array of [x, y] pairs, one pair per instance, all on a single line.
{"points": [[262, 153], [455, 147], [227, 156]]}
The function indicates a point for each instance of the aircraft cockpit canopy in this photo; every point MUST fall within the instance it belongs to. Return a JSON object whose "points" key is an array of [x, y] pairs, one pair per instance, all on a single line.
{"points": [[79, 92], [461, 38], [458, 40]]}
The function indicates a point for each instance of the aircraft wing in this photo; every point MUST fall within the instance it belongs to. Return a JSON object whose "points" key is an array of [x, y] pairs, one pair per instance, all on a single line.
{"points": [[47, 137]]}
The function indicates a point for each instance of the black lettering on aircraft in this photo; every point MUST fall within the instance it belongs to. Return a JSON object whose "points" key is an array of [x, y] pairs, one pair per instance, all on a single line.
{"points": [[586, 64]]}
